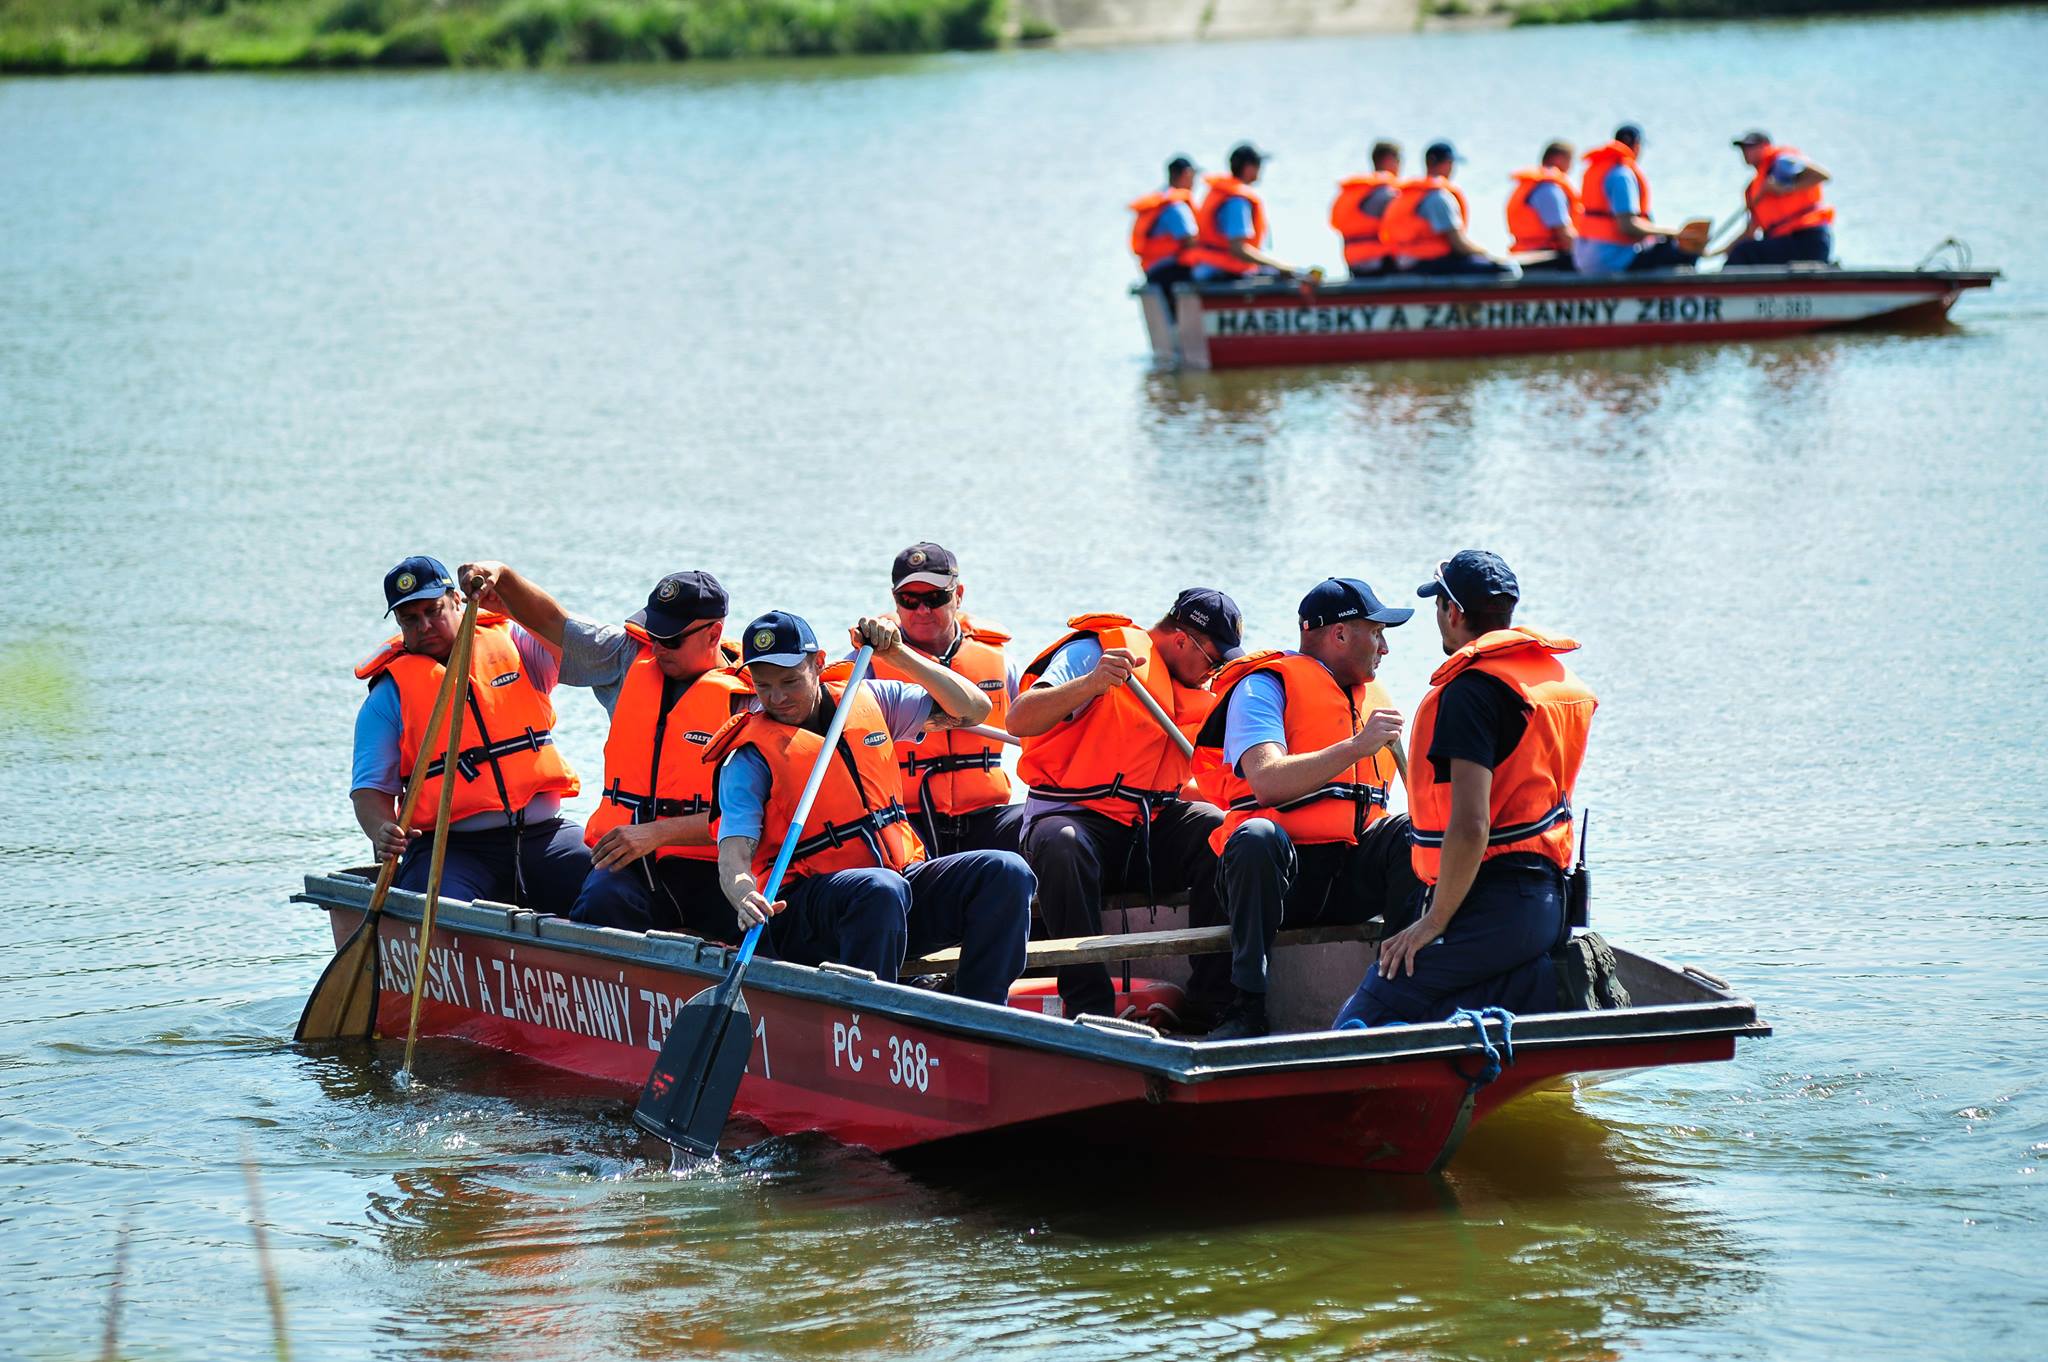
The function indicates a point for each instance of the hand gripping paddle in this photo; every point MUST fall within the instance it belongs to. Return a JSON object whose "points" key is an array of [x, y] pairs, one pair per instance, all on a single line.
{"points": [[697, 1074]]}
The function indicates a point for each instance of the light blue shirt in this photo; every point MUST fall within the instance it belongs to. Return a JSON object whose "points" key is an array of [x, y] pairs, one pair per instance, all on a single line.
{"points": [[1440, 211], [380, 724], [1176, 220], [743, 782], [1257, 714], [1611, 257], [1786, 169], [1551, 207], [1234, 223]]}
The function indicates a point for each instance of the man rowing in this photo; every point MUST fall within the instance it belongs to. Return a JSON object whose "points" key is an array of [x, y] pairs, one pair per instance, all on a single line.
{"points": [[1230, 225], [953, 781], [1107, 806], [1543, 209], [860, 889], [1164, 226], [1616, 232], [1299, 752], [1498, 744], [507, 840], [1361, 204], [667, 684], [1425, 229], [1788, 222]]}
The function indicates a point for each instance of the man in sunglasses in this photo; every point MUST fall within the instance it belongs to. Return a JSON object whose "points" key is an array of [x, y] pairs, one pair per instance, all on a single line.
{"points": [[507, 839], [1300, 753], [953, 782], [1107, 805], [668, 684], [1498, 744]]}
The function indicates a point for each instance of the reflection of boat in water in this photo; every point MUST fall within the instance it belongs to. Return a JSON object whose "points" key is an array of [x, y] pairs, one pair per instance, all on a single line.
{"points": [[891, 1067], [1267, 322]]}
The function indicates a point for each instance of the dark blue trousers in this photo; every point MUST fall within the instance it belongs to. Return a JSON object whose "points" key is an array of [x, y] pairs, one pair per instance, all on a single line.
{"points": [[979, 901], [540, 867], [1811, 244], [1662, 255], [1458, 264], [659, 894], [1496, 953]]}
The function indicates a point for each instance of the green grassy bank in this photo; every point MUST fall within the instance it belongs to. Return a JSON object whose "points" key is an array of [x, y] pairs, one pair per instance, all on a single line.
{"points": [[1583, 11], [187, 35]]}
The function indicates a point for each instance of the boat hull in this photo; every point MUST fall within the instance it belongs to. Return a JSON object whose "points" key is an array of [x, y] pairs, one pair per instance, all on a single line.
{"points": [[1239, 325], [889, 1068]]}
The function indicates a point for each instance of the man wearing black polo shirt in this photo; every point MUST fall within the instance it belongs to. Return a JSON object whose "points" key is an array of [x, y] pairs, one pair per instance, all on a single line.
{"points": [[1498, 745]]}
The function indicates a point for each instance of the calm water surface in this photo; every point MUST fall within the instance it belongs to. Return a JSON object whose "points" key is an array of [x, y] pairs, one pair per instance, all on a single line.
{"points": [[263, 336]]}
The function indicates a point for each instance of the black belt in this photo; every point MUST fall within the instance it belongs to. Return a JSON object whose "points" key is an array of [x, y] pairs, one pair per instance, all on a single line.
{"points": [[1348, 791], [653, 807], [866, 829], [469, 761], [914, 765], [1499, 836], [1116, 789]]}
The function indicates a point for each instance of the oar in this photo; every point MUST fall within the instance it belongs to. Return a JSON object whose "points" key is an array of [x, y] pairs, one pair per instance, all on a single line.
{"points": [[993, 734], [343, 1005], [458, 663], [1151, 704], [697, 1075]]}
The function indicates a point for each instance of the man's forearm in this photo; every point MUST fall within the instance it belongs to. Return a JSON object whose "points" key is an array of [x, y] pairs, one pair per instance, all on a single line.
{"points": [[1464, 847], [1278, 777], [736, 868], [959, 697], [536, 611], [373, 809], [686, 830], [1039, 709]]}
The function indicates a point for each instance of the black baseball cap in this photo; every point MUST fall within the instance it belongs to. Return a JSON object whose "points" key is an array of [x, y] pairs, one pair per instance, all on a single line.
{"points": [[418, 578], [930, 564], [680, 600], [1472, 577], [1754, 138], [1629, 132], [778, 638], [1178, 164], [1335, 599], [1440, 151], [1245, 151], [1214, 615]]}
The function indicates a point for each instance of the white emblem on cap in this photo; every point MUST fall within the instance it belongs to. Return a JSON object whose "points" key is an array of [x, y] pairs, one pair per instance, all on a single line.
{"points": [[764, 639], [665, 592], [406, 581]]}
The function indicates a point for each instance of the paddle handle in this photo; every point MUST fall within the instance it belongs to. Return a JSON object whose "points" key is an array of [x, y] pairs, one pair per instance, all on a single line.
{"points": [[803, 805], [1151, 704], [387, 869], [992, 734]]}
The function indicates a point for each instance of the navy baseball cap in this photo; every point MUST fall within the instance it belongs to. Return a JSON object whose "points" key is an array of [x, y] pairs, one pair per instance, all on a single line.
{"points": [[1178, 164], [779, 639], [1214, 615], [418, 578], [1629, 132], [1472, 577], [1336, 599], [927, 564], [1245, 151], [1440, 151], [1754, 138], [680, 600]]}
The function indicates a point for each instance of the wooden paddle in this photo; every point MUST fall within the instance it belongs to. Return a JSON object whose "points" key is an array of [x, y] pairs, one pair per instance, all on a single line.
{"points": [[1151, 704], [993, 734], [458, 663], [343, 1004], [697, 1075]]}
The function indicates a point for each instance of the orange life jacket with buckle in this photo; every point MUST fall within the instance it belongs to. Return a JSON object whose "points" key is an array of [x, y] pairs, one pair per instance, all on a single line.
{"points": [[1210, 246], [952, 772], [1526, 229], [858, 819], [1154, 251], [1318, 714], [1112, 757], [1531, 804], [1780, 214], [1404, 232], [1359, 228], [508, 756], [1597, 221], [653, 758]]}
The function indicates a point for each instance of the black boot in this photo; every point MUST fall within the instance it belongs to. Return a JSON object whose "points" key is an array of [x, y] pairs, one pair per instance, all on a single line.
{"points": [[1244, 1019]]}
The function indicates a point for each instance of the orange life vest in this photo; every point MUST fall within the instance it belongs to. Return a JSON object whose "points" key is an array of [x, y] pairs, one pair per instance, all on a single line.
{"points": [[1526, 230], [508, 755], [1596, 218], [1210, 246], [1112, 757], [1780, 214], [1154, 251], [1318, 714], [952, 772], [858, 819], [653, 758], [1404, 232], [1360, 229], [1531, 807]]}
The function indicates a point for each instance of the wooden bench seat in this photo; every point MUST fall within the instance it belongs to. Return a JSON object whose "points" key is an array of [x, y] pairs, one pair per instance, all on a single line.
{"points": [[1082, 950]]}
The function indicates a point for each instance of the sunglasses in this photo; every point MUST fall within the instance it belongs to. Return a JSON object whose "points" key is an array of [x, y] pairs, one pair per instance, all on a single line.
{"points": [[1445, 586], [923, 600], [1214, 660], [674, 641]]}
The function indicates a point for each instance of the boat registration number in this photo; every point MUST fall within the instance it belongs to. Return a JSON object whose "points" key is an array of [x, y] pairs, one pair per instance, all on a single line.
{"points": [[870, 1053]]}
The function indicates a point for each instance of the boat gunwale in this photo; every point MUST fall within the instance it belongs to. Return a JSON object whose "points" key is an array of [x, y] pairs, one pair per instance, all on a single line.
{"points": [[1734, 279], [1723, 1013]]}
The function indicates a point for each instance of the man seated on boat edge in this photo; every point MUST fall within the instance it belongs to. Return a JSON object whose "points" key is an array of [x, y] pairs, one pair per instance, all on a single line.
{"points": [[1789, 223], [1231, 235], [1299, 752], [1361, 205], [954, 783], [860, 889], [1108, 803], [507, 840], [1498, 743], [1616, 233], [1425, 227], [667, 682], [1164, 227], [1543, 210]]}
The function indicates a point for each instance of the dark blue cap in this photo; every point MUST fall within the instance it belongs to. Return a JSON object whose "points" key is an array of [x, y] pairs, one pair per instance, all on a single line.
{"points": [[1336, 599], [680, 600], [1629, 132], [1440, 151], [1214, 615], [418, 578], [779, 639], [1472, 577]]}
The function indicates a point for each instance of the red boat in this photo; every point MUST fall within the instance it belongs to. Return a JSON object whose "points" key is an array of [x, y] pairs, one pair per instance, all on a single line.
{"points": [[1265, 322], [890, 1066]]}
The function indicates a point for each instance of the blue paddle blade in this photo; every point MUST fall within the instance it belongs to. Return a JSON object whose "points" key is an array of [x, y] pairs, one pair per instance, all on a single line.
{"points": [[697, 1075]]}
